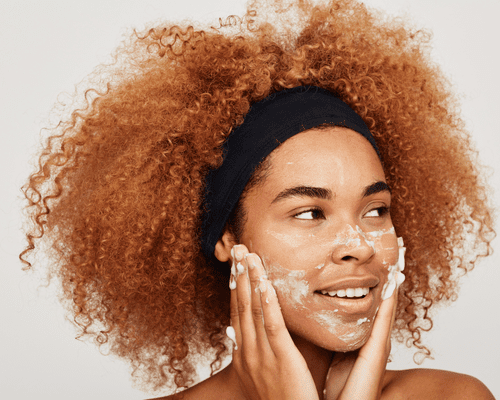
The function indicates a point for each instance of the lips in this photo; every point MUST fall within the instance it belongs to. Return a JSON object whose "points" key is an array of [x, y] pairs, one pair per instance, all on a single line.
{"points": [[346, 305], [361, 282]]}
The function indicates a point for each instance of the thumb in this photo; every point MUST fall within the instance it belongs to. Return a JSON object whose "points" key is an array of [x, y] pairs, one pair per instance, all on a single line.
{"points": [[340, 368]]}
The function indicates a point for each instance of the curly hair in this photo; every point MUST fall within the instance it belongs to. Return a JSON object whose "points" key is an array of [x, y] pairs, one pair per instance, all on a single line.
{"points": [[115, 200]]}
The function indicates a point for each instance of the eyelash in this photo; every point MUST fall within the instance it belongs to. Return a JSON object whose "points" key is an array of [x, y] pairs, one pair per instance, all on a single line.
{"points": [[383, 211], [318, 210]]}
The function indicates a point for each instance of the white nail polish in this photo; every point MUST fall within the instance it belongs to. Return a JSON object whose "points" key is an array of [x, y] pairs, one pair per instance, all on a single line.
{"points": [[232, 282], [400, 278], [231, 334]]}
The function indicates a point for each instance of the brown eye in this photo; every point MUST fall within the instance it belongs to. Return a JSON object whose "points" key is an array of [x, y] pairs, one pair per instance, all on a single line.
{"points": [[377, 212], [312, 214]]}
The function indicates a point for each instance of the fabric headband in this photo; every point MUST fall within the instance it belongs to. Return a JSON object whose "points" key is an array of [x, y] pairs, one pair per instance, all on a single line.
{"points": [[269, 123]]}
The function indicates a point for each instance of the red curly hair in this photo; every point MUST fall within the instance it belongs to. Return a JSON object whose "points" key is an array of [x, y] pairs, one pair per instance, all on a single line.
{"points": [[115, 202]]}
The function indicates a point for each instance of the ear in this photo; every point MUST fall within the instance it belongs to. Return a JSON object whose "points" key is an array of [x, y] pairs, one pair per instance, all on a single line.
{"points": [[223, 247]]}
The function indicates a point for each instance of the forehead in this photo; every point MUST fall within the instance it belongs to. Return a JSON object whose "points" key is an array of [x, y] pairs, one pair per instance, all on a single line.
{"points": [[326, 156]]}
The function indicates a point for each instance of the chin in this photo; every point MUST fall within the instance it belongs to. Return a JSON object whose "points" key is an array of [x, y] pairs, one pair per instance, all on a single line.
{"points": [[344, 338], [346, 346]]}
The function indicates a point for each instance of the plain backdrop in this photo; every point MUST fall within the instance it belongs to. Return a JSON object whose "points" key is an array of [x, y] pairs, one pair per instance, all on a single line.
{"points": [[47, 46]]}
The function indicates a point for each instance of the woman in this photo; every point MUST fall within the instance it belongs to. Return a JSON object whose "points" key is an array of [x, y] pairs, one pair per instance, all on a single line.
{"points": [[124, 213]]}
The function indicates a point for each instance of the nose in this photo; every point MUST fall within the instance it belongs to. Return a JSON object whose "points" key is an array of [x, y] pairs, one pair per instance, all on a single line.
{"points": [[352, 246]]}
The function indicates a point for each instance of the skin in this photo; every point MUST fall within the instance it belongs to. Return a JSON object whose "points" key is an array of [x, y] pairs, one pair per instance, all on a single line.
{"points": [[308, 243], [292, 341], [304, 251]]}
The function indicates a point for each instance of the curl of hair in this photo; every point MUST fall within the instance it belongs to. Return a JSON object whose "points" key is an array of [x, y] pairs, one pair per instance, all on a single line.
{"points": [[115, 201]]}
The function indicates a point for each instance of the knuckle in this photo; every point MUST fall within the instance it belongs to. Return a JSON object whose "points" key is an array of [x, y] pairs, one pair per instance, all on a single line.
{"points": [[253, 259], [234, 314], [254, 281], [257, 313], [243, 306], [272, 329]]}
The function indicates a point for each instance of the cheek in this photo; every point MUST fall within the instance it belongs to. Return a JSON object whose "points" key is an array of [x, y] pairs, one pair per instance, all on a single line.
{"points": [[327, 328], [291, 286], [386, 245]]}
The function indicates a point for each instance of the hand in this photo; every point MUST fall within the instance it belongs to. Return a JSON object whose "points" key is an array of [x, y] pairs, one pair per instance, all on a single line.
{"points": [[360, 374], [268, 363]]}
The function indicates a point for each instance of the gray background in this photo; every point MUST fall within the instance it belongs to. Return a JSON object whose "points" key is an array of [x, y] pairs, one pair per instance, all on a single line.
{"points": [[48, 46]]}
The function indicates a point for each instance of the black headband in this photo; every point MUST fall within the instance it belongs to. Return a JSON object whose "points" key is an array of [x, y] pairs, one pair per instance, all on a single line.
{"points": [[269, 123]]}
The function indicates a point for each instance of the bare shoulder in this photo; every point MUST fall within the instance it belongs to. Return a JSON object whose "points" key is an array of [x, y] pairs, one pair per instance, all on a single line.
{"points": [[422, 383]]}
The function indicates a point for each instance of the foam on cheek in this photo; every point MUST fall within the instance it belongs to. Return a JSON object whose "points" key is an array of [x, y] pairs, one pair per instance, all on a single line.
{"points": [[395, 276], [290, 284], [377, 234]]}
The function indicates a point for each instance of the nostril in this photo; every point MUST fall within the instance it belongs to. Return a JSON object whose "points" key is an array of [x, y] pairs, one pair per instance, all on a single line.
{"points": [[347, 258]]}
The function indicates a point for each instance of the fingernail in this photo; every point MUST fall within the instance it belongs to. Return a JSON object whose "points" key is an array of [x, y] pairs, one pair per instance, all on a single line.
{"points": [[232, 282], [401, 259], [400, 278], [238, 252], [250, 258], [231, 334]]}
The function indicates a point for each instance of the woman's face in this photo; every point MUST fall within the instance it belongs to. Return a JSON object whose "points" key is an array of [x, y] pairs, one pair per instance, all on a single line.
{"points": [[320, 222]]}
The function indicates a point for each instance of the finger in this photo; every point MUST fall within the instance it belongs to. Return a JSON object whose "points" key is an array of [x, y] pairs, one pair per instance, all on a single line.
{"points": [[235, 318], [257, 275], [338, 373], [367, 374], [382, 327], [277, 334], [376, 346], [393, 318], [247, 326]]}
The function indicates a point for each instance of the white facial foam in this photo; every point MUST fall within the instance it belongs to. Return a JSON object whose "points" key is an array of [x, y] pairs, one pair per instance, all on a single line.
{"points": [[395, 276]]}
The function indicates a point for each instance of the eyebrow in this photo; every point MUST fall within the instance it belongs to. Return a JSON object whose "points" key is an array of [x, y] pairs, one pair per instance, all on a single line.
{"points": [[376, 187], [326, 194]]}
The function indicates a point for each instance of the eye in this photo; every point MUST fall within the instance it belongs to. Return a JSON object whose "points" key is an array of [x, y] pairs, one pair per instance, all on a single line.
{"points": [[313, 213], [378, 212]]}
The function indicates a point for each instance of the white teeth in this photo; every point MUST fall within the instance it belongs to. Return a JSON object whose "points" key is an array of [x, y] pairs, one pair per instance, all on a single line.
{"points": [[350, 292]]}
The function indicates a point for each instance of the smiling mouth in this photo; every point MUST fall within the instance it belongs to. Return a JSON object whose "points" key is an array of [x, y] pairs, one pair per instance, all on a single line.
{"points": [[345, 304], [354, 293]]}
